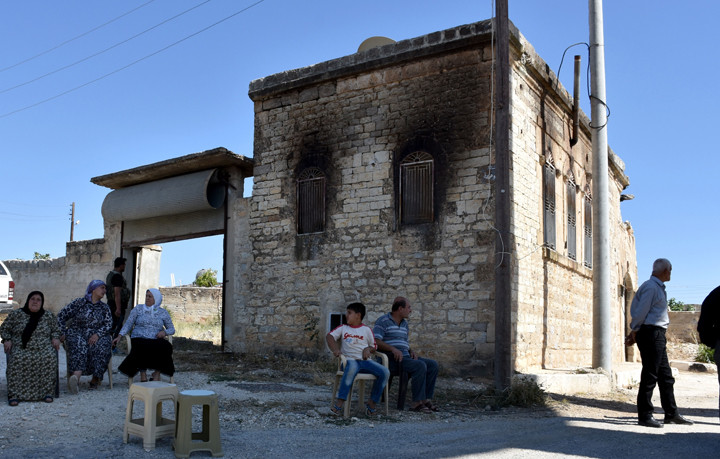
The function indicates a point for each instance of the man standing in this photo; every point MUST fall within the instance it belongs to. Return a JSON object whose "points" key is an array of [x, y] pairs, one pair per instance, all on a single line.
{"points": [[709, 324], [118, 294], [650, 320], [391, 335]]}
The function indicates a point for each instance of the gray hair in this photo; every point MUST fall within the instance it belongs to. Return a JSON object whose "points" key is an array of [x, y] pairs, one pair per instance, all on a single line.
{"points": [[660, 265]]}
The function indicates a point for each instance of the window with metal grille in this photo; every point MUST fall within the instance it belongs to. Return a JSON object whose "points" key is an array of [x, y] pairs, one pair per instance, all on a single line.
{"points": [[571, 221], [587, 231], [416, 188], [311, 201], [549, 205]]}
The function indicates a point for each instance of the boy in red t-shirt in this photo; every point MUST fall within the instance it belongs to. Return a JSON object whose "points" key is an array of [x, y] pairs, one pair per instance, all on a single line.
{"points": [[357, 345]]}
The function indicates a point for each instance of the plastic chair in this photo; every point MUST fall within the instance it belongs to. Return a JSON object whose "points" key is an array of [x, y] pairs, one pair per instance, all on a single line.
{"points": [[187, 441], [129, 347], [359, 378], [152, 425]]}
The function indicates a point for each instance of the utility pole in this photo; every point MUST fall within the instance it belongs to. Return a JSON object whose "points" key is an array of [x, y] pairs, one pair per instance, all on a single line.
{"points": [[602, 345], [503, 303], [72, 221]]}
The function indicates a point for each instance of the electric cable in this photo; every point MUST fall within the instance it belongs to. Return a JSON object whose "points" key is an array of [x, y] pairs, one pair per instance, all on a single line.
{"points": [[65, 67], [76, 37], [4, 115]]}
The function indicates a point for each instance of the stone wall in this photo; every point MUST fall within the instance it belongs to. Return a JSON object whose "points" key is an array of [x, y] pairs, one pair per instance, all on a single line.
{"points": [[62, 279], [358, 126], [683, 326], [193, 304]]}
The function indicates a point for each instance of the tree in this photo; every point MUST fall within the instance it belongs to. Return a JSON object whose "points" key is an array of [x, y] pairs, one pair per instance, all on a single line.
{"points": [[206, 278], [675, 305], [41, 256]]}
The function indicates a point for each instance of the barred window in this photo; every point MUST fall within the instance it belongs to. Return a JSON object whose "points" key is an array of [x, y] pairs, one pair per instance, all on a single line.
{"points": [[311, 201], [416, 188], [587, 230], [549, 205], [571, 221]]}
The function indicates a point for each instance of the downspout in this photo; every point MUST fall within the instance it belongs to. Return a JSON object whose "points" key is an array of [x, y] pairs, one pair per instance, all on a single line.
{"points": [[576, 103]]}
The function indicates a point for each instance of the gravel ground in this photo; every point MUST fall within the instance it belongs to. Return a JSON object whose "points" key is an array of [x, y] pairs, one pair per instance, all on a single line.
{"points": [[265, 413]]}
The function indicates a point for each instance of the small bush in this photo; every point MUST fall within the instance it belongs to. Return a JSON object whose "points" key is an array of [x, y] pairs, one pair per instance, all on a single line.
{"points": [[705, 354], [525, 393]]}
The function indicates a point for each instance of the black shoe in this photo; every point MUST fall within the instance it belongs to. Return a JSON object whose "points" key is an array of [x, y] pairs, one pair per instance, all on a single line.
{"points": [[649, 422], [677, 419]]}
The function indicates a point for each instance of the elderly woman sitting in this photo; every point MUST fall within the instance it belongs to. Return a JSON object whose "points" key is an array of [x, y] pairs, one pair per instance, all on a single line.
{"points": [[85, 326], [29, 335], [150, 325]]}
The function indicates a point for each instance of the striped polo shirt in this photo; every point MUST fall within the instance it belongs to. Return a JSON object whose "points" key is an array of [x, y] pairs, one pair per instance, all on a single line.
{"points": [[393, 334]]}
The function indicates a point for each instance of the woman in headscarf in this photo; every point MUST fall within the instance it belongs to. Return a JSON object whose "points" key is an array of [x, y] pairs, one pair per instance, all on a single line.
{"points": [[29, 335], [150, 324], [85, 326]]}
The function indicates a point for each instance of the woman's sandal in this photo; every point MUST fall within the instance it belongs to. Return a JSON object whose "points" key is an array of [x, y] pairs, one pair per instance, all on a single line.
{"points": [[93, 385], [13, 402], [370, 411], [336, 410], [421, 408], [48, 399]]}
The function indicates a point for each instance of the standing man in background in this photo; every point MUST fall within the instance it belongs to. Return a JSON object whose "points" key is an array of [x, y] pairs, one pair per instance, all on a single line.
{"points": [[650, 319], [118, 295]]}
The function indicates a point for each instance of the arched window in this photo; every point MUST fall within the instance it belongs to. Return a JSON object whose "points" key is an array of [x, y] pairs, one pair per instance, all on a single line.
{"points": [[416, 188], [311, 201]]}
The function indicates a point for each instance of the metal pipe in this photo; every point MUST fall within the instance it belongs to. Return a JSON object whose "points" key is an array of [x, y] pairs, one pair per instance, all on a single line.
{"points": [[602, 336], [576, 102]]}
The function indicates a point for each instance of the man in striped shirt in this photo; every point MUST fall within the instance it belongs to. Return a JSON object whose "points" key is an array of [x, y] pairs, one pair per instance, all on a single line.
{"points": [[391, 335]]}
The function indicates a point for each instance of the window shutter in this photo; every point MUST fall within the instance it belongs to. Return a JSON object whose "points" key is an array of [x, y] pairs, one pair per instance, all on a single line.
{"points": [[311, 202], [416, 189], [588, 232], [571, 222], [549, 205]]}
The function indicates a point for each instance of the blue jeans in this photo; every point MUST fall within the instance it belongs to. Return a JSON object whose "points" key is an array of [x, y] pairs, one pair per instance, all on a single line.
{"points": [[353, 367], [423, 374]]}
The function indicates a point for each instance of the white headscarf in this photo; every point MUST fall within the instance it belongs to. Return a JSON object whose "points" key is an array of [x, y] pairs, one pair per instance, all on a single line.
{"points": [[158, 301]]}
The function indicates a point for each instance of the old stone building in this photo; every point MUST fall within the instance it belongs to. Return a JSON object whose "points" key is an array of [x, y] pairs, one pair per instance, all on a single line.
{"points": [[374, 177]]}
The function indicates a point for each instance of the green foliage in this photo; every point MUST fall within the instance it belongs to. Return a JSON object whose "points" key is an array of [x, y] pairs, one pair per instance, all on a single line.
{"points": [[705, 354], [676, 305], [206, 278], [41, 256]]}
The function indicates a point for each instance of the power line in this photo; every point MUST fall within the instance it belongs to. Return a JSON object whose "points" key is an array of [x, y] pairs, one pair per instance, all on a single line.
{"points": [[64, 67], [4, 115], [75, 38]]}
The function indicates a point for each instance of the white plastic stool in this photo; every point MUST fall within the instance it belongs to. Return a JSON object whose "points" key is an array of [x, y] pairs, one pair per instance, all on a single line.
{"points": [[152, 426], [187, 441]]}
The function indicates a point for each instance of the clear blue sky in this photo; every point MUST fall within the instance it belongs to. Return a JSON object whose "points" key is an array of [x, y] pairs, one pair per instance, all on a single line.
{"points": [[660, 67]]}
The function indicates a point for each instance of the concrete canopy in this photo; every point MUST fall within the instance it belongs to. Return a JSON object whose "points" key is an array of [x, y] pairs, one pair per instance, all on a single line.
{"points": [[209, 159]]}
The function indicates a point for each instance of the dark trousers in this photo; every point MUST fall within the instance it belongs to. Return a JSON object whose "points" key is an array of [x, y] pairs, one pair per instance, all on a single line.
{"points": [[655, 370], [423, 374]]}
